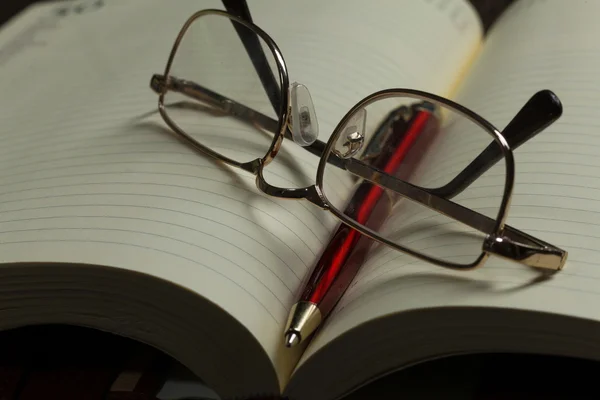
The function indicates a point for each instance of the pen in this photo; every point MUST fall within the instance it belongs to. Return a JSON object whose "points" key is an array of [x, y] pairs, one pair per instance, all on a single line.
{"points": [[396, 142]]}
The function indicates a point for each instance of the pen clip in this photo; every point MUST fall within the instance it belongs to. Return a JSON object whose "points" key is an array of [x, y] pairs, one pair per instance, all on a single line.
{"points": [[403, 115]]}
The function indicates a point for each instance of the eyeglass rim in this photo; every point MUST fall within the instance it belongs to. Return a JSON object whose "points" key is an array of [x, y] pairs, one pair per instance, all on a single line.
{"points": [[537, 253], [486, 126], [316, 193], [257, 164]]}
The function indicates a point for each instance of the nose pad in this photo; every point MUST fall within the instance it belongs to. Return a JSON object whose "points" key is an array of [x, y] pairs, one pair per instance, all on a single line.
{"points": [[305, 128], [352, 139]]}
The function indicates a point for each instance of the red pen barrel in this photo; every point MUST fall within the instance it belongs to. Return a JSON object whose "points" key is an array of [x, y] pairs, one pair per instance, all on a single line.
{"points": [[326, 297], [371, 206]]}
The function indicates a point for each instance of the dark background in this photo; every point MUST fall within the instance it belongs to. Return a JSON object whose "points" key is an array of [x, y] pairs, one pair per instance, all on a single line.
{"points": [[11, 7]]}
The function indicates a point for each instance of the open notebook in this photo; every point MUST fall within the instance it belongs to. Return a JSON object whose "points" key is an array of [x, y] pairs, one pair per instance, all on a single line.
{"points": [[107, 221]]}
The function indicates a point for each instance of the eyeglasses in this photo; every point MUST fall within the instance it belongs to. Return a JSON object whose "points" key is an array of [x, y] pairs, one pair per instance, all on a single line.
{"points": [[409, 169]]}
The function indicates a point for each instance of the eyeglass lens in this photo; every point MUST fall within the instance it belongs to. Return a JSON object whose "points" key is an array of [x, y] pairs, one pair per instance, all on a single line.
{"points": [[426, 146], [212, 60]]}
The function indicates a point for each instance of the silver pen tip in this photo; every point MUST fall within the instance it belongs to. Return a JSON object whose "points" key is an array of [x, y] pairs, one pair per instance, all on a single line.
{"points": [[291, 339]]}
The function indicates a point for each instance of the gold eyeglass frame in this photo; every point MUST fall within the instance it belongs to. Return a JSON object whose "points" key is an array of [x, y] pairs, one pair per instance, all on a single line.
{"points": [[500, 240]]}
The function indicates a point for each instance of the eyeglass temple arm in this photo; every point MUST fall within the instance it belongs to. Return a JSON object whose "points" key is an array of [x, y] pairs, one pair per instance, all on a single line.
{"points": [[513, 244], [232, 108], [542, 109], [255, 51]]}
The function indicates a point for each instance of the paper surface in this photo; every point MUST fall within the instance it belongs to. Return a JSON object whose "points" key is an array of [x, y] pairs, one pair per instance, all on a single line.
{"points": [[87, 177], [537, 45]]}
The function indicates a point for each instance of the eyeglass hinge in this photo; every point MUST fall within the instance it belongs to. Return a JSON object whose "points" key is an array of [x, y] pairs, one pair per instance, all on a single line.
{"points": [[534, 256]]}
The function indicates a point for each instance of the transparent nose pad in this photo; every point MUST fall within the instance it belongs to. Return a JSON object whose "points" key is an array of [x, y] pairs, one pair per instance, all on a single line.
{"points": [[352, 138], [305, 128]]}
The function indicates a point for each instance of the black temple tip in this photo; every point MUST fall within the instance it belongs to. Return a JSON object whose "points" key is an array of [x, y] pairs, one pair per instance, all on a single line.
{"points": [[547, 102], [542, 109]]}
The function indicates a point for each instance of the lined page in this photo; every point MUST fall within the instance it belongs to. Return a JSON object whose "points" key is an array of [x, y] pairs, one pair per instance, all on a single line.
{"points": [[89, 173], [537, 45], [344, 51]]}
